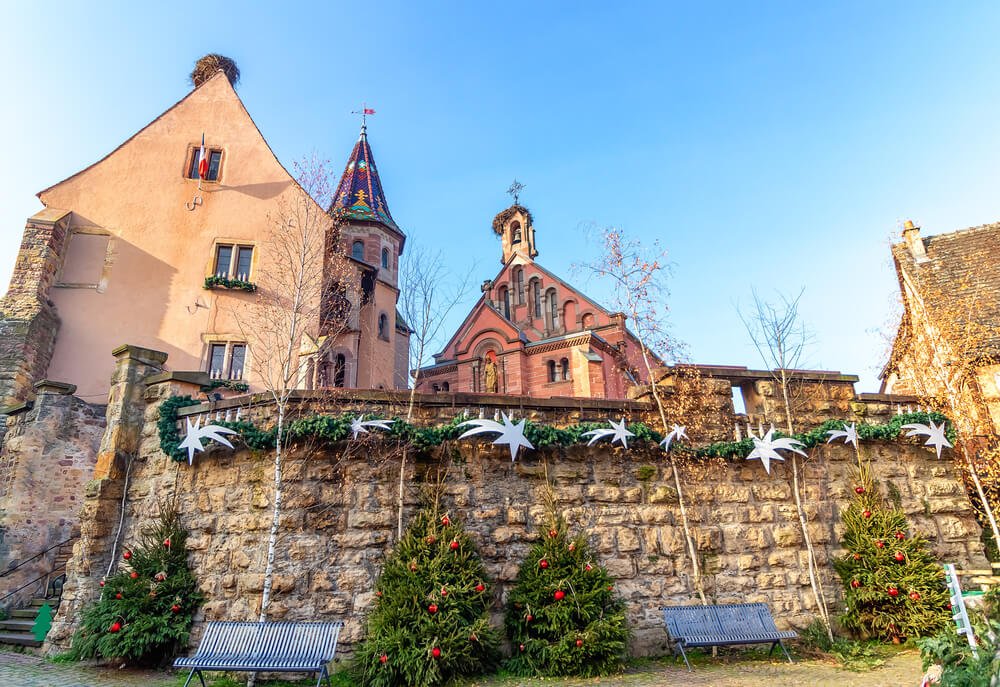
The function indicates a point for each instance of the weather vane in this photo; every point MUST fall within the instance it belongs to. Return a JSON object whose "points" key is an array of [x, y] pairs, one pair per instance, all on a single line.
{"points": [[515, 190], [364, 112]]}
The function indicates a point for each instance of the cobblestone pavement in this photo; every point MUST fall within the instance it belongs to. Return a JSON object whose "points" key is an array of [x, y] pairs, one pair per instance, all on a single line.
{"points": [[24, 670]]}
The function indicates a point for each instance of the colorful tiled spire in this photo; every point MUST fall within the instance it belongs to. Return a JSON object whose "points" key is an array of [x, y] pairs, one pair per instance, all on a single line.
{"points": [[359, 195]]}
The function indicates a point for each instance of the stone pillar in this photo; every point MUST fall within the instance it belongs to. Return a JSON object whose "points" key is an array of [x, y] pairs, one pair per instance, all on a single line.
{"points": [[101, 512], [28, 320]]}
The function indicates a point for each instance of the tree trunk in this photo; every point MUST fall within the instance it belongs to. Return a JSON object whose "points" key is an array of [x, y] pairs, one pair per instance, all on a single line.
{"points": [[272, 539]]}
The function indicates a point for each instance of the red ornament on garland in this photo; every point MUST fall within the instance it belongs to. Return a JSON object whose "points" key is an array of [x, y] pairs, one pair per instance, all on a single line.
{"points": [[521, 647], [914, 596], [543, 564], [432, 608], [115, 627], [480, 587], [118, 595], [445, 521], [900, 536], [473, 637], [855, 584], [378, 594], [900, 557], [528, 618], [431, 539], [435, 652], [892, 591], [127, 555], [559, 595], [571, 547], [383, 658], [454, 546], [859, 490], [134, 575], [175, 608], [867, 513], [444, 592], [879, 543], [413, 567], [101, 583], [610, 587], [553, 534], [166, 542], [857, 556], [579, 643], [588, 567]]}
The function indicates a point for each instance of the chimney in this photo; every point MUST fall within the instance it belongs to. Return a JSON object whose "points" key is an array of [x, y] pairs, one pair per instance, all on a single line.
{"points": [[911, 235]]}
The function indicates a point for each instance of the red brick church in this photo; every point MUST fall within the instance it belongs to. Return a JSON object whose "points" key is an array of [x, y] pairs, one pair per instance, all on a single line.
{"points": [[533, 334]]}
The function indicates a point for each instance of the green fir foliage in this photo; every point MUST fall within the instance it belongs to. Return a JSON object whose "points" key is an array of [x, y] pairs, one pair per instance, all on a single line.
{"points": [[563, 616], [951, 651], [894, 587], [145, 609], [430, 623]]}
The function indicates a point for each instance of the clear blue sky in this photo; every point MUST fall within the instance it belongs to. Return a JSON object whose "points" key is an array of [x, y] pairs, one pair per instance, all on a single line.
{"points": [[769, 145]]}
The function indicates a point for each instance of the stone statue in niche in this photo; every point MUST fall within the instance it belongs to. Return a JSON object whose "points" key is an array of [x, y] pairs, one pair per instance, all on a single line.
{"points": [[491, 376]]}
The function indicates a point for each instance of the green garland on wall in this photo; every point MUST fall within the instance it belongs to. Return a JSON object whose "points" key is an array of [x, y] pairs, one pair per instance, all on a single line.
{"points": [[330, 430]]}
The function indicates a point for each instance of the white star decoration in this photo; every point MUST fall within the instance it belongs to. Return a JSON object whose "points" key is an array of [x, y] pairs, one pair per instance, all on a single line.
{"points": [[849, 434], [617, 433], [676, 434], [766, 449], [935, 435], [195, 433], [359, 426], [510, 433]]}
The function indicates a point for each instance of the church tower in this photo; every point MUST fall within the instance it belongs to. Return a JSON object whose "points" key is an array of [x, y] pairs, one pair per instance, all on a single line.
{"points": [[516, 232]]}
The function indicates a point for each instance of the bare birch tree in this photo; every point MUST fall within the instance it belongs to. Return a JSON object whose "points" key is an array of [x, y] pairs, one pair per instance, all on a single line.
{"points": [[637, 276], [427, 296], [781, 338]]}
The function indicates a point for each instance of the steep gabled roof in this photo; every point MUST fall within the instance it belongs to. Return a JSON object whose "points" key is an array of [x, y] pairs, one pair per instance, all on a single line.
{"points": [[359, 195]]}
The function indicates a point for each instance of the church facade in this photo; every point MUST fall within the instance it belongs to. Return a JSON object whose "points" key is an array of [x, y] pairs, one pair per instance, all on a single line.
{"points": [[156, 247], [533, 334]]}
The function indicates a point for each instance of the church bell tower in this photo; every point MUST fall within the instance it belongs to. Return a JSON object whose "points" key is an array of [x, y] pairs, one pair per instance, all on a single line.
{"points": [[516, 232]]}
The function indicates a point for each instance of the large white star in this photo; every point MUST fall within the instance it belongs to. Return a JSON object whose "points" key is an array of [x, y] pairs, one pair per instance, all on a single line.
{"points": [[935, 435], [359, 426], [675, 434], [766, 449], [195, 433], [510, 433], [849, 434], [618, 432]]}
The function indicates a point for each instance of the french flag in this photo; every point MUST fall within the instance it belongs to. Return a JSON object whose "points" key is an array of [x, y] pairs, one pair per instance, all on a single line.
{"points": [[202, 159]]}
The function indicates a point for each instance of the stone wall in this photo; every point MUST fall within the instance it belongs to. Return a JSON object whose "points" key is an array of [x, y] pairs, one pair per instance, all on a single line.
{"points": [[340, 514], [47, 457]]}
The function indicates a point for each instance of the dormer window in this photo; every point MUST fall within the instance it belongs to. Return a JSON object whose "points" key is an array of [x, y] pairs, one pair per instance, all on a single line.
{"points": [[214, 164]]}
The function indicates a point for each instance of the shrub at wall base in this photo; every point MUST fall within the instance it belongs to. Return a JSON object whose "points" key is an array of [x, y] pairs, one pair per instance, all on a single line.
{"points": [[145, 610], [563, 616], [430, 622]]}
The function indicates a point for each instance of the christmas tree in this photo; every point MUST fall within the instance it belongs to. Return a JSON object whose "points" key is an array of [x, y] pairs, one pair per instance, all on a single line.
{"points": [[563, 616], [894, 587], [430, 622], [145, 610]]}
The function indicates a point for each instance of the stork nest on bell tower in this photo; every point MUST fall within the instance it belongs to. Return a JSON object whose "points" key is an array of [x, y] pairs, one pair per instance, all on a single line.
{"points": [[206, 67], [501, 219]]}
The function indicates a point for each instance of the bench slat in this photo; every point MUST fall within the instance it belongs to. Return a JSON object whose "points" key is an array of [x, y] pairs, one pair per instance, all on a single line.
{"points": [[269, 646]]}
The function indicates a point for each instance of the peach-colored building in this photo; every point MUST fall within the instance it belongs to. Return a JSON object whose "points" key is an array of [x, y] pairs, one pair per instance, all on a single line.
{"points": [[533, 334], [151, 248]]}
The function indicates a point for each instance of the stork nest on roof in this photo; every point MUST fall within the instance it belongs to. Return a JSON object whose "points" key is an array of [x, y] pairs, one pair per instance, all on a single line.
{"points": [[206, 67], [502, 218]]}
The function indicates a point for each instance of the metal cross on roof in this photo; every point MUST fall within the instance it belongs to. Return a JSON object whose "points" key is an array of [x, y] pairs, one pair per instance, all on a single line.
{"points": [[515, 190], [364, 112]]}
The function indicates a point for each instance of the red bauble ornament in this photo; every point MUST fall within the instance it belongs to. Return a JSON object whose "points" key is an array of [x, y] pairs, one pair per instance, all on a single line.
{"points": [[892, 591], [435, 652], [383, 658], [559, 595], [431, 539], [378, 594], [521, 647], [101, 583], [528, 618], [118, 595], [867, 513], [127, 555], [610, 587], [553, 534], [432, 608], [859, 490], [579, 643], [480, 587], [857, 556], [175, 608], [543, 564], [588, 567], [115, 627], [473, 637], [855, 584], [134, 575], [454, 546], [444, 592], [166, 542], [914, 596], [900, 536], [413, 567], [445, 521], [949, 605], [571, 547], [879, 543], [900, 557]]}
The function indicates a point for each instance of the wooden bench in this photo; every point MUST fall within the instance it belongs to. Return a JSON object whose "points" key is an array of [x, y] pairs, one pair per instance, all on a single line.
{"points": [[278, 647], [722, 625]]}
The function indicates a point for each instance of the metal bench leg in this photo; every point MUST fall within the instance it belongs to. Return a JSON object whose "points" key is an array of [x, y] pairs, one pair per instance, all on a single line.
{"points": [[680, 646], [786, 652], [323, 674], [191, 676]]}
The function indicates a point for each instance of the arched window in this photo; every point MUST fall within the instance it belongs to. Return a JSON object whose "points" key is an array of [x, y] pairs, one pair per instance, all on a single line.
{"points": [[552, 371], [505, 302], [339, 370], [536, 296], [435, 388], [515, 232], [383, 326], [564, 369], [385, 258], [519, 280], [553, 308], [358, 250], [444, 386]]}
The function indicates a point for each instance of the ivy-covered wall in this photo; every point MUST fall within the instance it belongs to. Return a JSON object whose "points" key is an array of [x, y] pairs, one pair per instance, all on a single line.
{"points": [[340, 510]]}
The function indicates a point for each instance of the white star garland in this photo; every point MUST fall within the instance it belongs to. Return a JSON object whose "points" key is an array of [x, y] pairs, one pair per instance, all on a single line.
{"points": [[510, 433], [675, 434], [766, 448], [618, 432], [849, 434], [195, 434], [359, 426], [934, 433]]}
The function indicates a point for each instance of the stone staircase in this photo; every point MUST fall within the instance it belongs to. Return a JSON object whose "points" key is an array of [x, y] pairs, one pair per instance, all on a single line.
{"points": [[18, 629]]}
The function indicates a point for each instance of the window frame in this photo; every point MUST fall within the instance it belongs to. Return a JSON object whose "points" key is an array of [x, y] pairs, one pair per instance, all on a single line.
{"points": [[383, 326], [191, 171], [385, 258], [235, 248], [228, 349], [355, 244]]}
